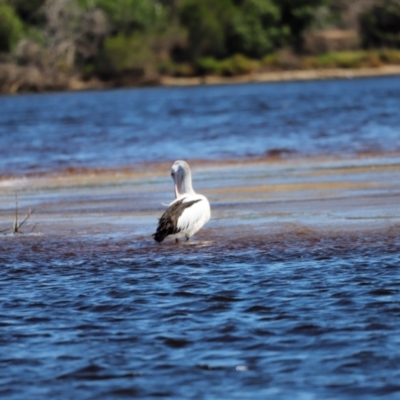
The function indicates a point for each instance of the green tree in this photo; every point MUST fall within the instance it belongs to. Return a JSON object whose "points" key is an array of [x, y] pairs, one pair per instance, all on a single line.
{"points": [[28, 10], [254, 29], [297, 16], [137, 54], [127, 16], [11, 27], [380, 24], [207, 22]]}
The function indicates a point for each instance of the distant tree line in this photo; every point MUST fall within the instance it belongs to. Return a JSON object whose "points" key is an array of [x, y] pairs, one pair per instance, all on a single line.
{"points": [[143, 38]]}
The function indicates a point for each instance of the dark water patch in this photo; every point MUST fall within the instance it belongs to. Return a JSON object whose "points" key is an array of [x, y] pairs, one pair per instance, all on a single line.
{"points": [[95, 372], [184, 294], [307, 329], [222, 298], [259, 309], [37, 320], [123, 393], [208, 367], [176, 343], [383, 292], [26, 362]]}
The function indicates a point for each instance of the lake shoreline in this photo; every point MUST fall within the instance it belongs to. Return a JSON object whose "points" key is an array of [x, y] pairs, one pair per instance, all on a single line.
{"points": [[19, 80], [286, 75]]}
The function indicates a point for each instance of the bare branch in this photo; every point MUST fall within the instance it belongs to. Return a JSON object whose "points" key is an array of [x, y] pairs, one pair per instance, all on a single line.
{"points": [[26, 218], [15, 226]]}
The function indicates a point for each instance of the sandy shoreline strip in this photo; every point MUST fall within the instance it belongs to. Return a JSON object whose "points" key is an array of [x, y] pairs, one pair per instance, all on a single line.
{"points": [[282, 76], [20, 81], [305, 194]]}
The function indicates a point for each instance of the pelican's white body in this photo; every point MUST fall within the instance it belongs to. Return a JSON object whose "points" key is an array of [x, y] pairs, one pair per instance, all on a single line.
{"points": [[194, 217], [179, 221]]}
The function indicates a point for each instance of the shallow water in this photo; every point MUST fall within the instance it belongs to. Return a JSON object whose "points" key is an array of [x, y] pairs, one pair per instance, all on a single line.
{"points": [[291, 291]]}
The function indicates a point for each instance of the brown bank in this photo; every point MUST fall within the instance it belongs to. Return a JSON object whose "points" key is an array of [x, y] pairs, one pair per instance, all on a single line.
{"points": [[25, 79]]}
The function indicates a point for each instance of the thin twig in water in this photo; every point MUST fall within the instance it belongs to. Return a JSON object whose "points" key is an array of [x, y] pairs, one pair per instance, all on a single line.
{"points": [[17, 226], [27, 216]]}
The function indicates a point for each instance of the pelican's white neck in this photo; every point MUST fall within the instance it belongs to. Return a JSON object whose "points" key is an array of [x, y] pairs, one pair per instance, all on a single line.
{"points": [[182, 179], [187, 187]]}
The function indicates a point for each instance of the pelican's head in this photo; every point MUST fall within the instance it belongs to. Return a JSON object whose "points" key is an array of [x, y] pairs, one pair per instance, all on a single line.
{"points": [[182, 177]]}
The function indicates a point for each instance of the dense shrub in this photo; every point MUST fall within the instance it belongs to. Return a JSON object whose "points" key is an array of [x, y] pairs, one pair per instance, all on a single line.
{"points": [[124, 53], [255, 28], [207, 23], [11, 27], [235, 65], [390, 56], [207, 66], [353, 59], [127, 16], [380, 25], [28, 10], [144, 52], [112, 38], [296, 17]]}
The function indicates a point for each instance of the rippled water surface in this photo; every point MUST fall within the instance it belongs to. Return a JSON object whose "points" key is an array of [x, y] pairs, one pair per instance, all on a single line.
{"points": [[291, 291], [113, 128], [277, 318]]}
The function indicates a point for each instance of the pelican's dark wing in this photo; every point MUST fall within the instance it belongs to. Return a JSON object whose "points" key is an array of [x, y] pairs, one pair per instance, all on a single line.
{"points": [[170, 222]]}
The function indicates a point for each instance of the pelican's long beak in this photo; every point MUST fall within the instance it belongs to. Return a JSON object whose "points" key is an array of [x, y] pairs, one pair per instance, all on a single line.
{"points": [[176, 186]]}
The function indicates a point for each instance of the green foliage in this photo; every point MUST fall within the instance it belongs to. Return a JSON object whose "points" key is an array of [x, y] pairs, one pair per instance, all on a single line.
{"points": [[328, 16], [207, 66], [390, 56], [207, 22], [122, 53], [235, 65], [255, 29], [270, 61], [35, 35], [168, 67], [110, 38], [27, 9], [380, 25], [139, 51], [11, 27], [297, 16], [250, 27], [129, 15], [335, 60], [352, 59]]}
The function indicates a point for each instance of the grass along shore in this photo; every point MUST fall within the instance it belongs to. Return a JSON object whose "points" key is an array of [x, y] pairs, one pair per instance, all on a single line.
{"points": [[286, 66]]}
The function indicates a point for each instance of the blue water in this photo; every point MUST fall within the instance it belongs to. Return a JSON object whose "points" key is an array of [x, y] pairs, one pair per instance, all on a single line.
{"points": [[242, 311], [123, 127], [310, 319]]}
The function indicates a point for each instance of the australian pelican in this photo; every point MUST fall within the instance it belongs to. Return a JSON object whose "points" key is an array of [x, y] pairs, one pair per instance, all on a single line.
{"points": [[188, 212]]}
